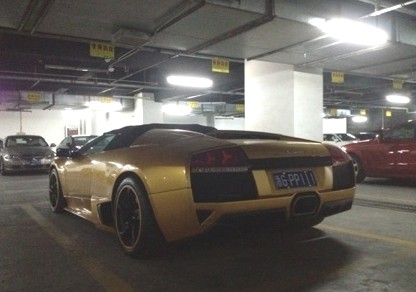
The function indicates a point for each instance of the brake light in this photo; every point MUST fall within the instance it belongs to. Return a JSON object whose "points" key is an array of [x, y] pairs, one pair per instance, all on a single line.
{"points": [[338, 155], [221, 160]]}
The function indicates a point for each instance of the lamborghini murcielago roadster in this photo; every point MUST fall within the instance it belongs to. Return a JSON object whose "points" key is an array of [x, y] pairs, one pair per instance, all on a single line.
{"points": [[174, 181]]}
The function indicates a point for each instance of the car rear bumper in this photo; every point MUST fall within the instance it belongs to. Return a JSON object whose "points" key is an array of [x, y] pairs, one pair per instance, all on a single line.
{"points": [[179, 217]]}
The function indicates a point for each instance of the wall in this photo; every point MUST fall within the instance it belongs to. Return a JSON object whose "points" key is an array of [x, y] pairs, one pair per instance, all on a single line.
{"points": [[50, 124], [308, 104], [281, 100]]}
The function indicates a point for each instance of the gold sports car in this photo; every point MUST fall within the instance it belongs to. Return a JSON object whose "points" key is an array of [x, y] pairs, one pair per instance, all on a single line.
{"points": [[172, 181]]}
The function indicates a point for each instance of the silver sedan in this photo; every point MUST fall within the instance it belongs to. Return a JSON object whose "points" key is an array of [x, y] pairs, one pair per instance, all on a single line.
{"points": [[24, 153]]}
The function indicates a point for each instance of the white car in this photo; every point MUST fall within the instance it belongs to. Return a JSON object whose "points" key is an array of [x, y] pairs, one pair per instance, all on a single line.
{"points": [[339, 139]]}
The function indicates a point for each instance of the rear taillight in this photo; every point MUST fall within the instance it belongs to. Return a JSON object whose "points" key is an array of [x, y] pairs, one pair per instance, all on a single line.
{"points": [[221, 160], [338, 155]]}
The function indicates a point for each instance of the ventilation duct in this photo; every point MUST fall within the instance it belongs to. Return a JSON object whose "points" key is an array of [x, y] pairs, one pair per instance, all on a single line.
{"points": [[129, 37]]}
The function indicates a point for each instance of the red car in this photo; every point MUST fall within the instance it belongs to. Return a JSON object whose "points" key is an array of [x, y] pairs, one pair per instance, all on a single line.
{"points": [[392, 154]]}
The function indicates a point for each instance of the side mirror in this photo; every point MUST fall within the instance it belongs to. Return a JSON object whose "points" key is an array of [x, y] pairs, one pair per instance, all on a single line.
{"points": [[62, 152], [52, 145]]}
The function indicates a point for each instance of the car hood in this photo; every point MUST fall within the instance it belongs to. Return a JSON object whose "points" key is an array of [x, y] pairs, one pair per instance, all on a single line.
{"points": [[33, 151]]}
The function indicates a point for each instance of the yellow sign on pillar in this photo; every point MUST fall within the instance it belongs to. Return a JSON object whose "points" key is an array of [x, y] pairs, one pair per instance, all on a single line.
{"points": [[397, 84], [34, 97], [193, 104], [337, 77], [104, 99], [239, 107], [101, 50], [388, 113], [220, 65]]}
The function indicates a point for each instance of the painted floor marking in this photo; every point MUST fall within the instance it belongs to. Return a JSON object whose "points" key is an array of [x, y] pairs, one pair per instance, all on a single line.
{"points": [[364, 234], [103, 276]]}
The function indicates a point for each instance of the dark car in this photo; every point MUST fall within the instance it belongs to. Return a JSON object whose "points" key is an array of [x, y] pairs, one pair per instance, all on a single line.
{"points": [[24, 152], [392, 154], [75, 142]]}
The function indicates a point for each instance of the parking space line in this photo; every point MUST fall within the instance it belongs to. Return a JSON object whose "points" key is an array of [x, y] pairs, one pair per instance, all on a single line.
{"points": [[363, 234], [378, 198], [103, 276]]}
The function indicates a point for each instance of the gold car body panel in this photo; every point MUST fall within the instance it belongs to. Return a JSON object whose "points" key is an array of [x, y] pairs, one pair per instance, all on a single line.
{"points": [[177, 214], [163, 169]]}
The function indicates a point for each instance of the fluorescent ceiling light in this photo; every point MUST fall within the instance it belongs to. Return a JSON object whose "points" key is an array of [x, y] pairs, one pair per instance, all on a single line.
{"points": [[397, 98], [351, 31], [189, 81], [174, 109], [359, 119]]}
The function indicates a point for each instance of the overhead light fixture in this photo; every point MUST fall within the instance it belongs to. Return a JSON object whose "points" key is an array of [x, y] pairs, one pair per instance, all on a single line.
{"points": [[394, 98], [359, 119], [351, 31], [174, 109], [189, 81]]}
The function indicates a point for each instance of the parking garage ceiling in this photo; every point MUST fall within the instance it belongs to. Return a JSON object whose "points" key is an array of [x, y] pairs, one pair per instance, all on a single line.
{"points": [[122, 48]]}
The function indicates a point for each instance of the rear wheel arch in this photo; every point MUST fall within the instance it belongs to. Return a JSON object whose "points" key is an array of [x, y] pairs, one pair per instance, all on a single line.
{"points": [[120, 179], [134, 220]]}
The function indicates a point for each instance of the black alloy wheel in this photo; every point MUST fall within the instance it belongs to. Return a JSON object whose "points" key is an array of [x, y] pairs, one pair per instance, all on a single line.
{"points": [[136, 227], [56, 199]]}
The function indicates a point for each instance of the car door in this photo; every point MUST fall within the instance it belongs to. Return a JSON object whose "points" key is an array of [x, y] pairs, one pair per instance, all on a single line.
{"points": [[78, 170], [377, 157], [402, 141]]}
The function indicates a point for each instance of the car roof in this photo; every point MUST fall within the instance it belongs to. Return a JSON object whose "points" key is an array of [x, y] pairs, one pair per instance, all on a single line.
{"points": [[126, 135]]}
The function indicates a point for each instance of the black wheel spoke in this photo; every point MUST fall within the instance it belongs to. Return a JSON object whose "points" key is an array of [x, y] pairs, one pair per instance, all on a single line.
{"points": [[56, 199], [128, 214]]}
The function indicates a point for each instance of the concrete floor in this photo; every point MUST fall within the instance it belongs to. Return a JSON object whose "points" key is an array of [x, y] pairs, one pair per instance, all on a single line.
{"points": [[369, 248]]}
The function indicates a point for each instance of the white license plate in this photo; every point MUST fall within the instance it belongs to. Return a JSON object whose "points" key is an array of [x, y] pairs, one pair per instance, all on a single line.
{"points": [[35, 161], [294, 179]]}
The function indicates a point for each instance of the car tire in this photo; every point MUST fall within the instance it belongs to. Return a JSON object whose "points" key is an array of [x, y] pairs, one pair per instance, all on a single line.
{"points": [[56, 198], [135, 224], [358, 168]]}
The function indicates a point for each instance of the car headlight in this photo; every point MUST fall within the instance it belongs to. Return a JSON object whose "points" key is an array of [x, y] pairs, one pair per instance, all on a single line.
{"points": [[11, 156]]}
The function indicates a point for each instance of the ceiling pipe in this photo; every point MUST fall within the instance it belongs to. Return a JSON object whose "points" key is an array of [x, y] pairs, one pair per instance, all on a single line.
{"points": [[305, 42], [389, 7], [96, 83], [344, 56], [176, 18], [268, 16], [164, 25], [44, 11], [28, 12]]}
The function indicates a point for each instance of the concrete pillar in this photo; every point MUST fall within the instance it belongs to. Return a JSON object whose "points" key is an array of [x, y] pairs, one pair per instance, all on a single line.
{"points": [[279, 99]]}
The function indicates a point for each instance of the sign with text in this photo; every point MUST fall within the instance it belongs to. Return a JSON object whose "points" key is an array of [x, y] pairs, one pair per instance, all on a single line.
{"points": [[337, 77], [101, 50], [220, 65]]}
